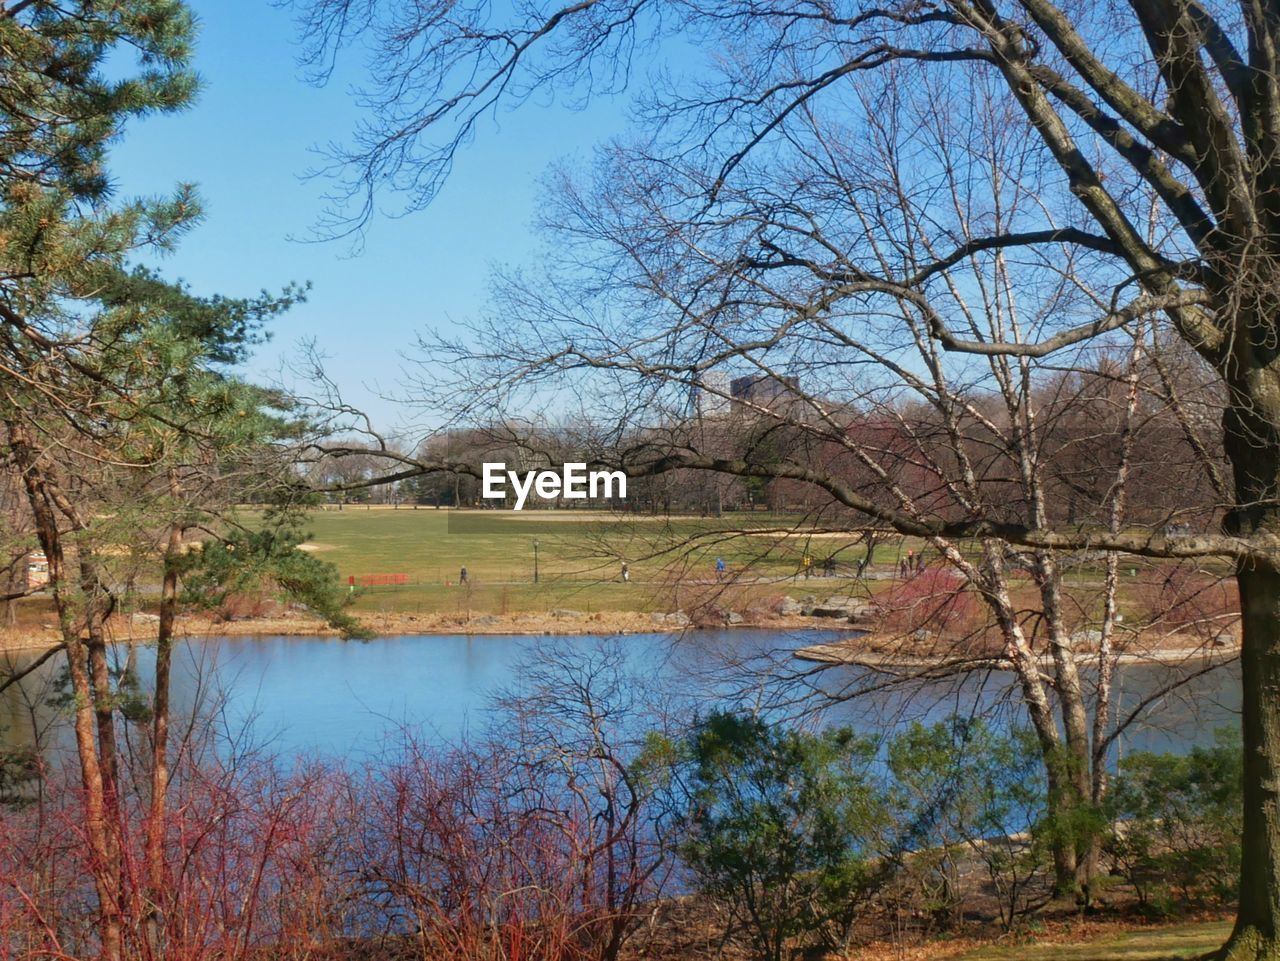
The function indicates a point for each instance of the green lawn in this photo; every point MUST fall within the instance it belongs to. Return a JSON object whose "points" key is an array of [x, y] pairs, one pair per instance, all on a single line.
{"points": [[579, 558], [579, 555], [1183, 941]]}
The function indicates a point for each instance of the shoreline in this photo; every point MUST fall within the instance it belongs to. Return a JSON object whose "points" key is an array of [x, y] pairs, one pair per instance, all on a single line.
{"points": [[846, 654], [142, 627], [857, 651]]}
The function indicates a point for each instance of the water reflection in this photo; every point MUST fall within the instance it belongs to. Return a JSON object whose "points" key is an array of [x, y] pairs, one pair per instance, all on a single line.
{"points": [[316, 695]]}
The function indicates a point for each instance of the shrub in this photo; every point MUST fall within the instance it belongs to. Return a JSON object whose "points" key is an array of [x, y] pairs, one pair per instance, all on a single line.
{"points": [[779, 826], [976, 794], [935, 600], [1189, 600], [1177, 821], [254, 867], [467, 868], [538, 843]]}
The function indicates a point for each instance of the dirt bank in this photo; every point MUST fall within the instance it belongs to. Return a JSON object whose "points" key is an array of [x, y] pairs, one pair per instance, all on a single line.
{"points": [[41, 636], [862, 651]]}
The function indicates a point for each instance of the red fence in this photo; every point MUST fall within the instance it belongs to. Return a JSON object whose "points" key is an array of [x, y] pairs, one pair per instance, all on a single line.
{"points": [[378, 580]]}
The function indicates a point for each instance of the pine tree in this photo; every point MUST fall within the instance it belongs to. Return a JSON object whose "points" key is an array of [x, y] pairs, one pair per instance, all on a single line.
{"points": [[119, 405]]}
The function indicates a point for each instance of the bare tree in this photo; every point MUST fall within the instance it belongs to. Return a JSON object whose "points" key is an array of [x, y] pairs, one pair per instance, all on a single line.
{"points": [[1144, 174]]}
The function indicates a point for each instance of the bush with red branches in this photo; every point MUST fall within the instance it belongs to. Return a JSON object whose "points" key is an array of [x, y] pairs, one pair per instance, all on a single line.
{"points": [[537, 844], [934, 600], [1188, 600]]}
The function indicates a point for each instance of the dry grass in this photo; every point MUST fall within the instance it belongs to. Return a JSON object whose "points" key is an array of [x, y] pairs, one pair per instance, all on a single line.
{"points": [[1148, 944]]}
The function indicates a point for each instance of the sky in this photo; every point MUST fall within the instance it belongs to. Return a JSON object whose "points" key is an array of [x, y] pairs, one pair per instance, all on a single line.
{"points": [[248, 143]]}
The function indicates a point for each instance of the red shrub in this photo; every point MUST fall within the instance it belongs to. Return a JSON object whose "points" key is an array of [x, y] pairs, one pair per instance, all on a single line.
{"points": [[935, 600], [255, 858], [1187, 599], [472, 854]]}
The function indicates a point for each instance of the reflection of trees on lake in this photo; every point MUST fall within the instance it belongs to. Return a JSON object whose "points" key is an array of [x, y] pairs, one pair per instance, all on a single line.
{"points": [[321, 695], [28, 715]]}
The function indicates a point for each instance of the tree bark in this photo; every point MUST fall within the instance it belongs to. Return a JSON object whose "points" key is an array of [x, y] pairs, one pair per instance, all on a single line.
{"points": [[1252, 442], [100, 829], [96, 609], [1074, 768], [1255, 934], [157, 869], [1026, 666]]}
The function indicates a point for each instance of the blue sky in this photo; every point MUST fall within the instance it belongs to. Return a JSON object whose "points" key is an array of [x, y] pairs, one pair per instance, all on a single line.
{"points": [[247, 144]]}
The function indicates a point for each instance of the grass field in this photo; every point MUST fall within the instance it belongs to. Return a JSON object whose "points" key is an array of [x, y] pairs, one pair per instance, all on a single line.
{"points": [[1183, 941], [579, 558]]}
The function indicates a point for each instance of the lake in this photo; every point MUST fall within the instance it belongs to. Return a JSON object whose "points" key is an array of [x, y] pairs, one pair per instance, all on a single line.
{"points": [[324, 696]]}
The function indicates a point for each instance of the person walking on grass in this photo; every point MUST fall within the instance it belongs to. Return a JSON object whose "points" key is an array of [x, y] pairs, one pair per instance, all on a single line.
{"points": [[462, 576], [720, 568], [626, 573]]}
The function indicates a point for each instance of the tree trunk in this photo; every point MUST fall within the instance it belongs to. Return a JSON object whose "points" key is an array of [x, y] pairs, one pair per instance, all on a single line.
{"points": [[1252, 442], [1026, 667], [96, 609], [1255, 934], [157, 869], [100, 829], [1075, 769]]}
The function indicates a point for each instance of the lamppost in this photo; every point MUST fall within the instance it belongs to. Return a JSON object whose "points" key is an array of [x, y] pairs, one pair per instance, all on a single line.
{"points": [[535, 560]]}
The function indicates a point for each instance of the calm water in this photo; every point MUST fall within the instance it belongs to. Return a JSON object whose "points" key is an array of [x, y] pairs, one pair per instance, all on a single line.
{"points": [[330, 697]]}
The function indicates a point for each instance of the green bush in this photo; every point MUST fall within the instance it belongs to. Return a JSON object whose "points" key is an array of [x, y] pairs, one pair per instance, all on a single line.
{"points": [[780, 826], [1177, 821], [977, 797]]}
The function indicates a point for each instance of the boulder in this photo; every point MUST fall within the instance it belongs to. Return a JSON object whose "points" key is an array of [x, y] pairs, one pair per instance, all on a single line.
{"points": [[790, 607], [826, 610], [676, 619], [842, 607], [843, 600]]}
